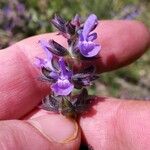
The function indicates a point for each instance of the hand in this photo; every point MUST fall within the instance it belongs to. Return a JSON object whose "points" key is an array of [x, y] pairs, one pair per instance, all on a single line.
{"points": [[115, 125]]}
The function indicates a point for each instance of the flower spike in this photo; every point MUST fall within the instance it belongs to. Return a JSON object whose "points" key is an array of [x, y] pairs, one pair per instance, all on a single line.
{"points": [[58, 68]]}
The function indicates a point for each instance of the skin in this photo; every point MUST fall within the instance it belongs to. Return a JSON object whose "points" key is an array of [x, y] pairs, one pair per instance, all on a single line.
{"points": [[111, 123]]}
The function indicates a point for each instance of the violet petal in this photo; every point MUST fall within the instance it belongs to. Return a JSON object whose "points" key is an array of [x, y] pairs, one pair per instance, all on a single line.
{"points": [[89, 49], [88, 25], [39, 62], [48, 61], [44, 44], [54, 75], [63, 68], [62, 87], [92, 37]]}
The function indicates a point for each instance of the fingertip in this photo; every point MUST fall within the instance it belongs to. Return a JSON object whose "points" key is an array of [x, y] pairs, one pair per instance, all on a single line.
{"points": [[47, 132], [122, 42], [144, 30], [58, 129]]}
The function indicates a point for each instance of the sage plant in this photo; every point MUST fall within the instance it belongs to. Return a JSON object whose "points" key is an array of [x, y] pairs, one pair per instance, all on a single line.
{"points": [[59, 69]]}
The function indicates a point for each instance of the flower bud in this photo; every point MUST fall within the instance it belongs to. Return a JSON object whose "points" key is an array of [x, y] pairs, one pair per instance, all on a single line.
{"points": [[57, 49]]}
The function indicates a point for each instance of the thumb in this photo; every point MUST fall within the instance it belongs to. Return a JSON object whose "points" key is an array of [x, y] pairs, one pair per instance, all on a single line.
{"points": [[47, 132]]}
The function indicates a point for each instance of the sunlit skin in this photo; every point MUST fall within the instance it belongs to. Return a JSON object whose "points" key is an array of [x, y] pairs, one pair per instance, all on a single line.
{"points": [[111, 124]]}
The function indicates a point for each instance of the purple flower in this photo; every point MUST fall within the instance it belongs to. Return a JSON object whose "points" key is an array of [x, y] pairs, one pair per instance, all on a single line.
{"points": [[47, 63], [86, 45], [63, 86], [63, 78]]}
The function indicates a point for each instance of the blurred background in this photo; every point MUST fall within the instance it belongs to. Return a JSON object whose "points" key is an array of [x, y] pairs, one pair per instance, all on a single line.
{"points": [[23, 18]]}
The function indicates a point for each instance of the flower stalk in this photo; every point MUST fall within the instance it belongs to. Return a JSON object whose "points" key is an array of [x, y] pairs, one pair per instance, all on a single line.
{"points": [[58, 68]]}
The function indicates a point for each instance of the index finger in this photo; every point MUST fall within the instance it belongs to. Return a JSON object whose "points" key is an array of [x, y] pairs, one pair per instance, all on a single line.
{"points": [[122, 42]]}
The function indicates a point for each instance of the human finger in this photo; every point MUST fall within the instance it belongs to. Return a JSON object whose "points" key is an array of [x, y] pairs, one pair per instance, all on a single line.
{"points": [[47, 132], [117, 124]]}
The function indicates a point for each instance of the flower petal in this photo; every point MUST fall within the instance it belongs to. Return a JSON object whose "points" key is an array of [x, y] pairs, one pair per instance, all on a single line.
{"points": [[94, 52], [89, 49], [92, 37], [54, 75], [48, 61], [44, 44], [89, 25], [63, 68], [62, 87], [39, 62]]}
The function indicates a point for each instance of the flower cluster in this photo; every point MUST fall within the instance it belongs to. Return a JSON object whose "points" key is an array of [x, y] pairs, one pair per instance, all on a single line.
{"points": [[58, 67]]}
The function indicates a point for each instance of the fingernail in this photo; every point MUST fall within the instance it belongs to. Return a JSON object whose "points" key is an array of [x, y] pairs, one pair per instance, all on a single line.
{"points": [[56, 128]]}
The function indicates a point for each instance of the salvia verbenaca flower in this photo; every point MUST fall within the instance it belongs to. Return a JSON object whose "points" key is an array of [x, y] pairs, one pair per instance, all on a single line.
{"points": [[86, 45], [60, 78], [63, 85], [58, 68]]}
